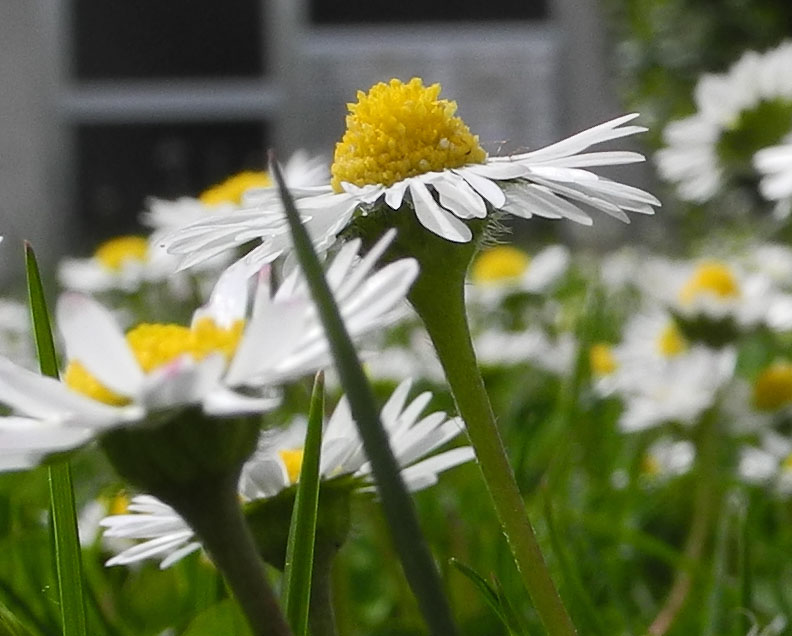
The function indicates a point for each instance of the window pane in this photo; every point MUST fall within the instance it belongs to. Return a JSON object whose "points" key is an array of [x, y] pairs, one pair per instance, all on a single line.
{"points": [[374, 11], [118, 166], [167, 38]]}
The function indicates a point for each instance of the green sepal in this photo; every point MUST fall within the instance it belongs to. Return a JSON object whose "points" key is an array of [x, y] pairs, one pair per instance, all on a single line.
{"points": [[179, 451], [269, 520]]}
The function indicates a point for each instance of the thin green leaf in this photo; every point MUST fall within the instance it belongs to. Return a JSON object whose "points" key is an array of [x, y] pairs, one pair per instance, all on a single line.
{"points": [[419, 567], [489, 595], [64, 517], [302, 531]]}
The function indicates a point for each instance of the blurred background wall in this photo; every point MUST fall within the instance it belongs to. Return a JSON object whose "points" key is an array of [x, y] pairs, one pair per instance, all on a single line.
{"points": [[108, 101]]}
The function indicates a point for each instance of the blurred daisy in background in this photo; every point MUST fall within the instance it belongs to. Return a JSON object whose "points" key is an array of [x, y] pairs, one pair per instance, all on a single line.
{"points": [[276, 465], [504, 270], [666, 458], [739, 112]]}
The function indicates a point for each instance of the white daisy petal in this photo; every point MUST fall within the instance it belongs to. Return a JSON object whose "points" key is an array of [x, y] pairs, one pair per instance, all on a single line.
{"points": [[456, 195], [435, 218], [92, 336]]}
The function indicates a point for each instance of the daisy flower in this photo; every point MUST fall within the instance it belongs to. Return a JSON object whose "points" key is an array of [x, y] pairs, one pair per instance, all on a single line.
{"points": [[276, 464], [775, 166], [747, 108], [112, 379], [666, 458], [404, 145], [678, 391], [123, 263], [769, 463], [711, 298], [498, 348], [300, 171], [504, 270]]}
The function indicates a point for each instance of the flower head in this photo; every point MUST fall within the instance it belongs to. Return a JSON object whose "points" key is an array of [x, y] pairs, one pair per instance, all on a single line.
{"points": [[739, 112], [226, 362], [399, 130], [406, 146], [275, 467]]}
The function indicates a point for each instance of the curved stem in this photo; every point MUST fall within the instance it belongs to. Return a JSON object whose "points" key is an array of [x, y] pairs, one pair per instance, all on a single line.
{"points": [[704, 514], [217, 519], [441, 305]]}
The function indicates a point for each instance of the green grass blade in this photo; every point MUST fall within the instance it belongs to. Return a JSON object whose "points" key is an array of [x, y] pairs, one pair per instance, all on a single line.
{"points": [[489, 595], [419, 567], [302, 531], [64, 517]]}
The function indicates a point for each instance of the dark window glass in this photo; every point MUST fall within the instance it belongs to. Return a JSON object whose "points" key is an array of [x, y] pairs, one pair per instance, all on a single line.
{"points": [[166, 38], [118, 166], [374, 11]]}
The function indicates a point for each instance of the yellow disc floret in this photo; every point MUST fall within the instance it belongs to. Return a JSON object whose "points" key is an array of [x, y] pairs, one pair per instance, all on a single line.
{"points": [[601, 359], [78, 378], [710, 278], [155, 345], [113, 254], [292, 460], [671, 342], [773, 388], [399, 130], [499, 264], [232, 189]]}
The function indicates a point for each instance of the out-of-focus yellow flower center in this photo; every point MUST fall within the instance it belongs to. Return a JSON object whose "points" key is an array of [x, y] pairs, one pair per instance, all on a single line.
{"points": [[399, 130], [650, 466], [119, 504], [155, 345], [601, 359], [671, 342], [498, 264], [786, 463], [710, 278], [773, 387], [292, 459], [232, 189], [123, 249]]}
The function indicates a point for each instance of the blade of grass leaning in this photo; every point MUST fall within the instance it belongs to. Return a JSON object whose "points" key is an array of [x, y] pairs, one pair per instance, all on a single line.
{"points": [[302, 530], [68, 560], [397, 505]]}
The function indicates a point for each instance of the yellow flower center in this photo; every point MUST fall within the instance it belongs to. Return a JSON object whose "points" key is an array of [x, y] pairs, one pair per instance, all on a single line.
{"points": [[113, 254], [601, 359], [155, 345], [710, 278], [786, 463], [119, 504], [399, 130], [232, 189], [292, 459], [773, 387], [671, 342], [650, 466], [498, 264]]}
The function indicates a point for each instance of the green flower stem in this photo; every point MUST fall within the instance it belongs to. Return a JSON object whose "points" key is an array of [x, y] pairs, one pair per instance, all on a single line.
{"points": [[438, 296], [192, 462], [217, 519], [441, 305], [705, 513]]}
